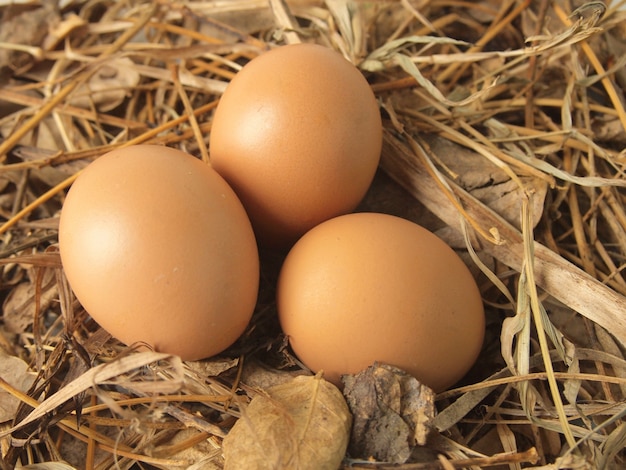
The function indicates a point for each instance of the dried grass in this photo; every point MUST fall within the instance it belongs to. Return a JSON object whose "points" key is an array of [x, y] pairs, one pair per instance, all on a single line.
{"points": [[534, 89]]}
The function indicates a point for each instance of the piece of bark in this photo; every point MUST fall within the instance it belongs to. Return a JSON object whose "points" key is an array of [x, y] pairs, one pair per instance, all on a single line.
{"points": [[392, 413]]}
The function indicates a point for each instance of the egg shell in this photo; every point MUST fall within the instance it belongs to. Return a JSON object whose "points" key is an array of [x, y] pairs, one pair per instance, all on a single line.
{"points": [[371, 287], [158, 249], [298, 136]]}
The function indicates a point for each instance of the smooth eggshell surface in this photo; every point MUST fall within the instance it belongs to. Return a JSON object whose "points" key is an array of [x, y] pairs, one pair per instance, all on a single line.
{"points": [[298, 136], [158, 249], [371, 287]]}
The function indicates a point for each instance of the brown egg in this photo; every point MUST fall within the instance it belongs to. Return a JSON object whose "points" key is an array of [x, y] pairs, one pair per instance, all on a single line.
{"points": [[158, 249], [371, 287], [298, 136]]}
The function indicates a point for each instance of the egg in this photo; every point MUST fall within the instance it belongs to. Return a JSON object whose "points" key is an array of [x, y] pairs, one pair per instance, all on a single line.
{"points": [[159, 250], [298, 135], [368, 287]]}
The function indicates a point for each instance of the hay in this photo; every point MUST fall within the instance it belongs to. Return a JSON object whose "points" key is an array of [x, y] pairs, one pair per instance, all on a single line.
{"points": [[506, 123]]}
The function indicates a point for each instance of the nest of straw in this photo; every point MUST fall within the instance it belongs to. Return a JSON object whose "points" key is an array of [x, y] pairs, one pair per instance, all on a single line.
{"points": [[504, 131]]}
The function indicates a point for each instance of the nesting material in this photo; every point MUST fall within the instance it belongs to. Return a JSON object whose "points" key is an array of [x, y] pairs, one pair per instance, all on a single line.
{"points": [[504, 132]]}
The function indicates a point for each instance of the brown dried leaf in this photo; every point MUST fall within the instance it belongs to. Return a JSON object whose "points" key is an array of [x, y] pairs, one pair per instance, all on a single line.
{"points": [[261, 376], [302, 424], [392, 411], [488, 183], [19, 306], [15, 372], [45, 137], [108, 87], [212, 367]]}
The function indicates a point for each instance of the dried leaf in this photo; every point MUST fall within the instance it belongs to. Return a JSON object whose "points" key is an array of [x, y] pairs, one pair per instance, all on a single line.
{"points": [[15, 372], [261, 376], [488, 183], [302, 424], [108, 87], [19, 306], [392, 411], [47, 136], [212, 367]]}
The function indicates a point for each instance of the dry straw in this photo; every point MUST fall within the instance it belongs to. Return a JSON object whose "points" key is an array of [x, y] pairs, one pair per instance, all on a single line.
{"points": [[506, 120]]}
